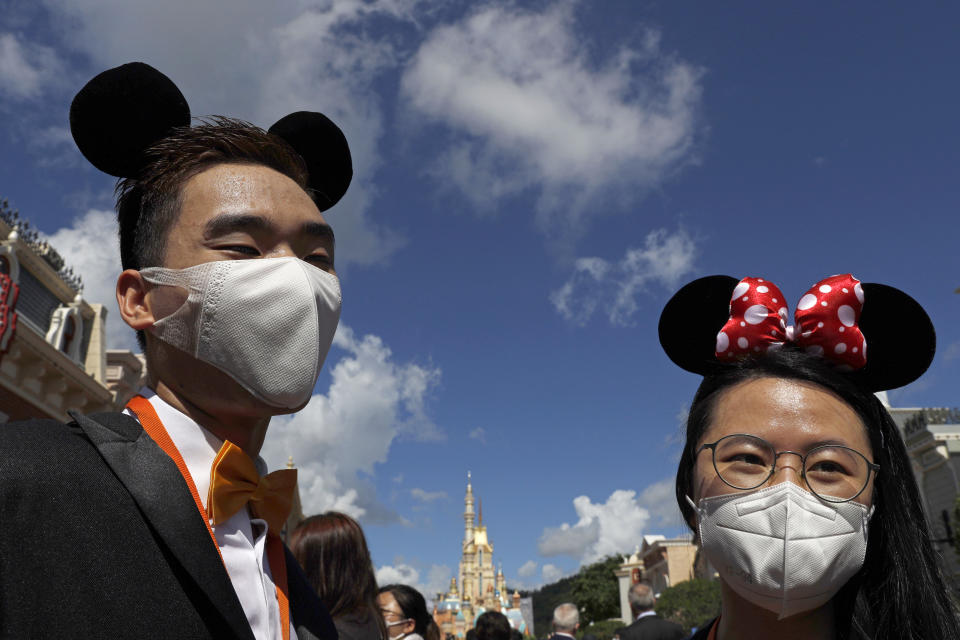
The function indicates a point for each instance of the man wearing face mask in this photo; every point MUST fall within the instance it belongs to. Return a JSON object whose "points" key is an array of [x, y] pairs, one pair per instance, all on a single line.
{"points": [[165, 513]]}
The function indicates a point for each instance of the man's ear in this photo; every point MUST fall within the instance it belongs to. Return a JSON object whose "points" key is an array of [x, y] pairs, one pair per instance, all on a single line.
{"points": [[132, 300]]}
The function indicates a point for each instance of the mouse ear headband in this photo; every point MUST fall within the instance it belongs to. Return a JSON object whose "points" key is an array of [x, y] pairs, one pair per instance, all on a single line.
{"points": [[123, 111], [716, 320]]}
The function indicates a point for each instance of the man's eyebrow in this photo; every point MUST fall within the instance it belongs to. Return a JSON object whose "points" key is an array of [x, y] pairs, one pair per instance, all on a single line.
{"points": [[317, 230], [231, 222]]}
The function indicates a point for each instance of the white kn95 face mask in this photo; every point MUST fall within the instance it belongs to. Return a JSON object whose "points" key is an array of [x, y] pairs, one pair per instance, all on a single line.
{"points": [[267, 323], [781, 547]]}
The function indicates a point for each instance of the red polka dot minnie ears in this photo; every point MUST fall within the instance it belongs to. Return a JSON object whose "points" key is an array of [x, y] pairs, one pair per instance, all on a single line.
{"points": [[717, 319], [123, 111]]}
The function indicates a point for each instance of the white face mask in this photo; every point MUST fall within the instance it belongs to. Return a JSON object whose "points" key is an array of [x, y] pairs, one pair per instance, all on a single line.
{"points": [[267, 323], [394, 624], [782, 548]]}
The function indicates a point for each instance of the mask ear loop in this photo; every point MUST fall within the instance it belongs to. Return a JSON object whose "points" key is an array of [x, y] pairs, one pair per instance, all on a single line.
{"points": [[698, 539]]}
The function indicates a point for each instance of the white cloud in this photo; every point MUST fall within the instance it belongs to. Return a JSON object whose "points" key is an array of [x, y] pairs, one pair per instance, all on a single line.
{"points": [[400, 574], [479, 434], [90, 247], [428, 496], [531, 109], [678, 436], [551, 573], [527, 569], [595, 284], [339, 437], [26, 69], [437, 580], [660, 501], [615, 526]]}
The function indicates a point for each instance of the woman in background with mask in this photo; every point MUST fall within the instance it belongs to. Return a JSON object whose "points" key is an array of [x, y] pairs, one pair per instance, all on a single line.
{"points": [[333, 552], [405, 613], [794, 476]]}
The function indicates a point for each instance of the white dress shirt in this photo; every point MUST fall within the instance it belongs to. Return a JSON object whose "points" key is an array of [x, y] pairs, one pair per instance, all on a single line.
{"points": [[242, 539]]}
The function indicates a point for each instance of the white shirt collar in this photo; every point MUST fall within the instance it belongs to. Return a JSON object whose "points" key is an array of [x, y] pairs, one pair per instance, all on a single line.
{"points": [[647, 613], [196, 445]]}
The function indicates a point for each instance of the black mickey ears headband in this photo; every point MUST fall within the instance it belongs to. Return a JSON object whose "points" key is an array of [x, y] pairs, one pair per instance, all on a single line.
{"points": [[124, 110], [717, 319]]}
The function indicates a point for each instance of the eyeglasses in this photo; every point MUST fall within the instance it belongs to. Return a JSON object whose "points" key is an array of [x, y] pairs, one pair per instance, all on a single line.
{"points": [[832, 472]]}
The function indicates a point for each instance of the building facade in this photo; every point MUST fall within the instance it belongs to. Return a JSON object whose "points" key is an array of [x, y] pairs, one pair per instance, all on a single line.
{"points": [[661, 563], [932, 437], [53, 354]]}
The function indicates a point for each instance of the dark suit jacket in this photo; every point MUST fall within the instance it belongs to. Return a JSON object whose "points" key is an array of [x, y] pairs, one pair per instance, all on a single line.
{"points": [[100, 538], [652, 628]]}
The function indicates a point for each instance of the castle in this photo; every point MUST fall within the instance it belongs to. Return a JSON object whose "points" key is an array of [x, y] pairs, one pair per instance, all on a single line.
{"points": [[480, 588]]}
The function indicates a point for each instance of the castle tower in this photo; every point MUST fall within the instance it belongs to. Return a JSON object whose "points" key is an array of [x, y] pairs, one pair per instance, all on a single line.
{"points": [[477, 574], [467, 559], [468, 513]]}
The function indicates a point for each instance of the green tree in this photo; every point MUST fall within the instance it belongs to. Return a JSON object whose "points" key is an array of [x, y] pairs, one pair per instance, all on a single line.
{"points": [[691, 603], [596, 592], [545, 599]]}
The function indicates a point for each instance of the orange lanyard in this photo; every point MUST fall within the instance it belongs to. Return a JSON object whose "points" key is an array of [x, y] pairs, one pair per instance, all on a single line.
{"points": [[150, 422]]}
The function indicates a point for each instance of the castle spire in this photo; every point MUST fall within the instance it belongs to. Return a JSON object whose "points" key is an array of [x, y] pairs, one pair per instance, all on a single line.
{"points": [[468, 513], [480, 508]]}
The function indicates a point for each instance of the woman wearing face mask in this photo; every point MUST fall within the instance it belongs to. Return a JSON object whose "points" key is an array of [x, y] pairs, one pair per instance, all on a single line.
{"points": [[794, 477], [333, 552], [405, 614]]}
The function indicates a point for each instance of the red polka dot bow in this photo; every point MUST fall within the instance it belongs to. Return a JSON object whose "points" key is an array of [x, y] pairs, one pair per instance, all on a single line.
{"points": [[825, 321]]}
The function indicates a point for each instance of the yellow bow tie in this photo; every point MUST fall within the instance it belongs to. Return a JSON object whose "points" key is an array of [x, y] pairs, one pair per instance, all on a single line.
{"points": [[234, 482]]}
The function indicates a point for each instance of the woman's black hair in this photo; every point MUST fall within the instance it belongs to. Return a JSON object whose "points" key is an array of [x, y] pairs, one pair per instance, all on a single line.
{"points": [[414, 607], [899, 593]]}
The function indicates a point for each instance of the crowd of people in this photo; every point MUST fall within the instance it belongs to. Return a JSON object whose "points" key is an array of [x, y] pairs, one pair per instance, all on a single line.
{"points": [[161, 521]]}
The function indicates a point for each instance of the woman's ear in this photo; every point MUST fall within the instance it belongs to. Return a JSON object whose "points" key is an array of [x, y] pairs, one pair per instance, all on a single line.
{"points": [[132, 300], [409, 627]]}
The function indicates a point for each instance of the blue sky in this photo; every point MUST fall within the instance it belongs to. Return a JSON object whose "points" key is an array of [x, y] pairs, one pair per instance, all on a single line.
{"points": [[533, 180]]}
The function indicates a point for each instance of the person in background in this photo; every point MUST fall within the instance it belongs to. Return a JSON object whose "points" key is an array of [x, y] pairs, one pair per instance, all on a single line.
{"points": [[794, 476], [647, 624], [405, 614], [492, 625], [566, 621], [333, 552]]}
